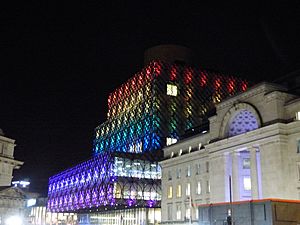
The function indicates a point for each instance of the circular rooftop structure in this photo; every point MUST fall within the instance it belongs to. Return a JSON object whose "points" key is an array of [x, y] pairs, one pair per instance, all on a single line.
{"points": [[168, 53]]}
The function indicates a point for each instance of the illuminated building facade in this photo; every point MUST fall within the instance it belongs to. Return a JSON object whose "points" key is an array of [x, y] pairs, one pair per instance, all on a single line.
{"points": [[251, 151], [155, 108], [7, 161], [12, 199]]}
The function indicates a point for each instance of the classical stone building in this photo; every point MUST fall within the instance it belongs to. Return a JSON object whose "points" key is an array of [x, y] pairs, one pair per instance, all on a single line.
{"points": [[12, 203], [7, 161], [250, 151], [12, 199], [121, 182]]}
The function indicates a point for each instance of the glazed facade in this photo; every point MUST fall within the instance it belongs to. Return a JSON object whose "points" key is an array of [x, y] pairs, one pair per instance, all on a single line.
{"points": [[153, 109]]}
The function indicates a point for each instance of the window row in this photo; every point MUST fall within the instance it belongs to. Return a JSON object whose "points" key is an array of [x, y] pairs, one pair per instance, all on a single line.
{"points": [[188, 171], [188, 191], [189, 212]]}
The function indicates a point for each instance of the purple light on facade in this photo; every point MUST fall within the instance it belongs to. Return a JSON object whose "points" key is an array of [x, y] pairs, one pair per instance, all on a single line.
{"points": [[131, 202], [151, 203]]}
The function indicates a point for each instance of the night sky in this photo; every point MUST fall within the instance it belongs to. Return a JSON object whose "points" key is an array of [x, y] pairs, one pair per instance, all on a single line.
{"points": [[60, 62]]}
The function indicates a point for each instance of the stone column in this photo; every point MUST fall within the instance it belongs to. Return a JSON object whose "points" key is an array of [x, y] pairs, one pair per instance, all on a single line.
{"points": [[253, 171], [235, 177]]}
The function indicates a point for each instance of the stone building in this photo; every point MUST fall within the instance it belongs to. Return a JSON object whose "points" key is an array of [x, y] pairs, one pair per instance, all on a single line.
{"points": [[7, 161], [121, 182], [250, 151], [12, 199]]}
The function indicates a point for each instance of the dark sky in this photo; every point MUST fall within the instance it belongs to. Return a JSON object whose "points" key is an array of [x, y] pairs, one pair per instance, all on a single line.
{"points": [[60, 62]]}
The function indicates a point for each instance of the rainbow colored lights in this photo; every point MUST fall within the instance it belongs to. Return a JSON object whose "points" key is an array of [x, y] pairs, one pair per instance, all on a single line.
{"points": [[157, 104], [161, 101]]}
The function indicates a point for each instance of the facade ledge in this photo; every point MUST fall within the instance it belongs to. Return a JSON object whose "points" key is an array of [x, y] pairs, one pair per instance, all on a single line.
{"points": [[270, 133]]}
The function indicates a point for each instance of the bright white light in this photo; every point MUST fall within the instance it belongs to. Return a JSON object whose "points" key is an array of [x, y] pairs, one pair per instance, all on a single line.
{"points": [[172, 90], [298, 115], [247, 183], [22, 183], [13, 220], [171, 141], [31, 202]]}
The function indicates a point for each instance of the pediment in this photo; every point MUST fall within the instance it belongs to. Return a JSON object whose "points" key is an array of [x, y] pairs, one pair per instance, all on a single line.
{"points": [[12, 192]]}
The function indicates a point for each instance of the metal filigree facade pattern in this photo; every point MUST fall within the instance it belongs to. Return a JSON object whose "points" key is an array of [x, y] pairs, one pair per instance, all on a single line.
{"points": [[244, 121], [106, 181], [159, 102], [153, 108]]}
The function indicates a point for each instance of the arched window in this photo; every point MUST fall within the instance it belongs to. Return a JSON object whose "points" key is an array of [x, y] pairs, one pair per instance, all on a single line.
{"points": [[242, 122]]}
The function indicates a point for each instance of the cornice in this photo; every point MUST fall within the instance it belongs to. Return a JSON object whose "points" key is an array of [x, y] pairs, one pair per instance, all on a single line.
{"points": [[276, 95], [272, 133], [11, 161], [255, 90], [184, 158], [6, 139]]}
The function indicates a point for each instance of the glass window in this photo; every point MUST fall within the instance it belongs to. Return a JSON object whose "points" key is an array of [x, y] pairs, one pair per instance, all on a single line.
{"points": [[172, 90], [298, 115], [171, 141], [247, 183], [188, 189], [244, 121], [207, 167], [198, 188], [207, 186], [198, 169], [187, 212], [188, 171], [246, 163], [169, 175], [178, 191], [170, 211], [178, 173], [178, 212], [170, 192], [197, 214]]}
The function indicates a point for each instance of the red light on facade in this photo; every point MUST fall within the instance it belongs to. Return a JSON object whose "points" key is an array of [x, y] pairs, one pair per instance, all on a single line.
{"points": [[244, 85], [133, 83], [173, 73], [157, 68], [217, 83], [203, 79], [109, 100], [140, 79], [148, 70], [148, 73], [231, 85], [188, 76], [120, 93]]}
